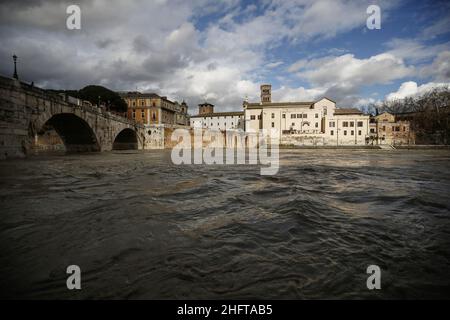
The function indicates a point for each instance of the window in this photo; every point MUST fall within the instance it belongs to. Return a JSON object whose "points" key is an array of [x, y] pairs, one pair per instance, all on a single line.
{"points": [[317, 115], [384, 128], [345, 124], [372, 130], [360, 123], [305, 116], [359, 132], [273, 115], [252, 117], [259, 117], [134, 103], [293, 124], [345, 132], [153, 104], [352, 133], [153, 115], [331, 124], [133, 115], [324, 111], [299, 115], [352, 124], [332, 132], [292, 115], [142, 103], [317, 125], [284, 115], [142, 114], [273, 124]]}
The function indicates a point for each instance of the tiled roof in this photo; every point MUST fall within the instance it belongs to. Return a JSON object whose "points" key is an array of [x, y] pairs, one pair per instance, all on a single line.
{"points": [[138, 95], [278, 105], [339, 111], [219, 114]]}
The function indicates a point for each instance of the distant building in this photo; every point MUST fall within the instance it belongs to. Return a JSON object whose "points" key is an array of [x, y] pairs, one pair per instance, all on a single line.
{"points": [[205, 108], [181, 115], [152, 109], [307, 123], [208, 119], [385, 129]]}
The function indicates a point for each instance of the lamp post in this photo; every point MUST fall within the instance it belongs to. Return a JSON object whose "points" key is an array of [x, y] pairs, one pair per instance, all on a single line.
{"points": [[15, 76]]}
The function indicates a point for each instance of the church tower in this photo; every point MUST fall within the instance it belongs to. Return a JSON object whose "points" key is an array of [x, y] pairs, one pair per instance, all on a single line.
{"points": [[205, 108], [266, 93]]}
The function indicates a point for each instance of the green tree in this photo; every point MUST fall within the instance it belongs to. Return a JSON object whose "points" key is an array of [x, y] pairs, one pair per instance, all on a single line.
{"points": [[98, 95]]}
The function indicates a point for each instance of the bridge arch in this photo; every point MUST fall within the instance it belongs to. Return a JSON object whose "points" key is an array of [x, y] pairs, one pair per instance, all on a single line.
{"points": [[126, 139], [75, 132]]}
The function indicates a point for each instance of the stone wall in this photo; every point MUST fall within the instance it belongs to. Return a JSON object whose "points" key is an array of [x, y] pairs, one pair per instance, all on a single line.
{"points": [[25, 110]]}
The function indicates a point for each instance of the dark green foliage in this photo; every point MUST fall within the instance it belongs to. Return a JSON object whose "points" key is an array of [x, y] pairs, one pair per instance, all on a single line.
{"points": [[98, 94]]}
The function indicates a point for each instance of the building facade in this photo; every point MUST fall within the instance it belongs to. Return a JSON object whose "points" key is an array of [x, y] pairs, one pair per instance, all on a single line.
{"points": [[385, 129], [223, 121], [152, 109], [182, 116], [307, 123]]}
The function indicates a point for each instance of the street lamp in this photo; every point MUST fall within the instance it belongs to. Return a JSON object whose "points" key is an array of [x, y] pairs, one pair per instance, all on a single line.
{"points": [[15, 76]]}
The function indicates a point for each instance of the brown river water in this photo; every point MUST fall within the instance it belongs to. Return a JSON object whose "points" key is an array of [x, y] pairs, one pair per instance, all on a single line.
{"points": [[141, 227]]}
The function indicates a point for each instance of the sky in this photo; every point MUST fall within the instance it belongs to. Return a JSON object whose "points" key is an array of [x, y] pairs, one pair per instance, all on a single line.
{"points": [[221, 51]]}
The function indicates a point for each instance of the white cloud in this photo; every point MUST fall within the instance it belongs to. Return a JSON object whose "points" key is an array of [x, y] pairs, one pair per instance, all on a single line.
{"points": [[414, 50], [411, 89], [158, 46], [439, 69], [439, 27], [285, 93], [350, 71], [343, 77], [272, 65]]}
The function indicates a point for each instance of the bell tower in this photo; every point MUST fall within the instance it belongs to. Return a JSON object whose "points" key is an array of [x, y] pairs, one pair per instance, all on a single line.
{"points": [[205, 108], [266, 93]]}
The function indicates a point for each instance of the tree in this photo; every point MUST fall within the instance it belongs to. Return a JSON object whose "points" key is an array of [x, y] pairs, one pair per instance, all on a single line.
{"points": [[429, 114], [99, 95], [102, 95]]}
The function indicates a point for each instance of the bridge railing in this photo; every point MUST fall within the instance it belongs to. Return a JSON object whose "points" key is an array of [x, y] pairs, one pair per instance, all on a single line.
{"points": [[54, 97]]}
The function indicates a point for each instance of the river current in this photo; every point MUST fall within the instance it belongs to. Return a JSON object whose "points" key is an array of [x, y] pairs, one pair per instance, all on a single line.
{"points": [[140, 227]]}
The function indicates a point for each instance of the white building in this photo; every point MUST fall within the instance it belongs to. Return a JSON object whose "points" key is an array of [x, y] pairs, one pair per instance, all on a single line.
{"points": [[208, 119], [307, 123]]}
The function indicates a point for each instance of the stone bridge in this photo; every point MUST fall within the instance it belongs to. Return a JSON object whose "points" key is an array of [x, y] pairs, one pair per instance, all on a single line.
{"points": [[26, 110]]}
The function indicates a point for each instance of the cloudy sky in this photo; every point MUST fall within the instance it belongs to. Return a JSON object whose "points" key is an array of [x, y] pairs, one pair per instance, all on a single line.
{"points": [[221, 51]]}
